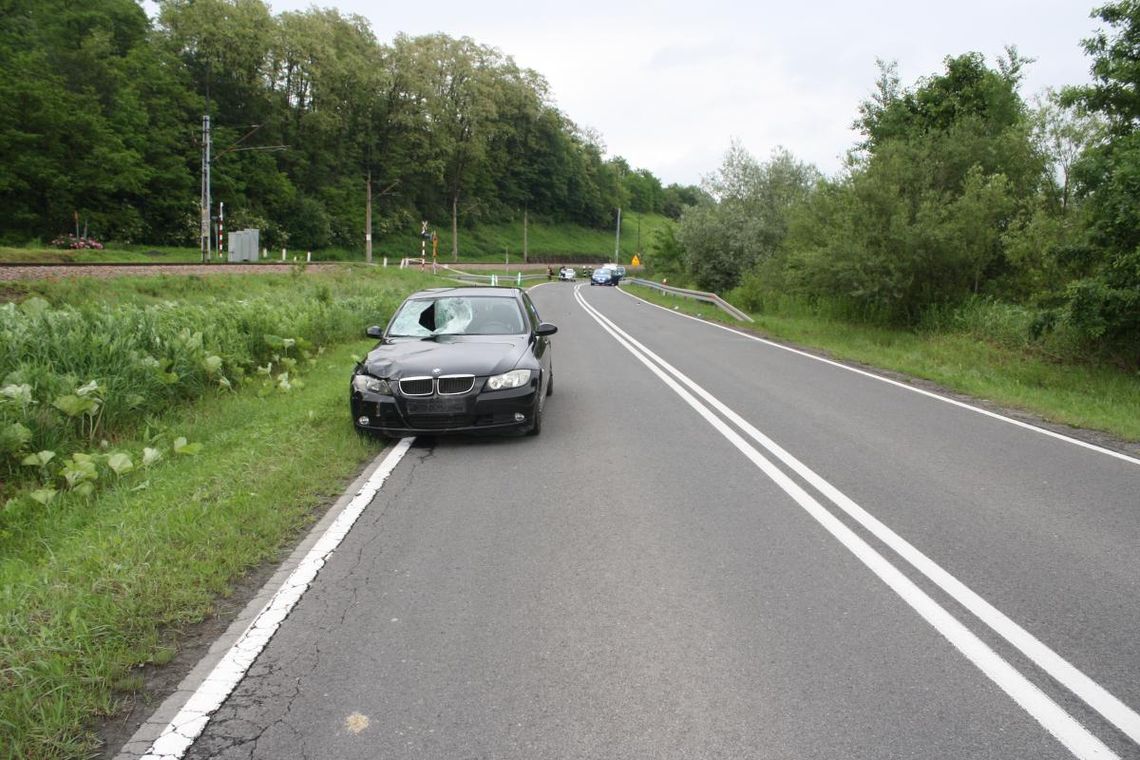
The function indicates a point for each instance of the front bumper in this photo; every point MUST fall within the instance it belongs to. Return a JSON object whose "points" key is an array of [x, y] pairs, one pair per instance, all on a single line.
{"points": [[474, 412]]}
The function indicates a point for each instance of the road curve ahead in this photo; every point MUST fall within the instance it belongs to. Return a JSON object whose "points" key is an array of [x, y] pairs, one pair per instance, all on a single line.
{"points": [[717, 548]]}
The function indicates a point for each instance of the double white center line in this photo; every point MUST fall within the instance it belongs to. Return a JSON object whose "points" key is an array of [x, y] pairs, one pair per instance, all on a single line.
{"points": [[1044, 710]]}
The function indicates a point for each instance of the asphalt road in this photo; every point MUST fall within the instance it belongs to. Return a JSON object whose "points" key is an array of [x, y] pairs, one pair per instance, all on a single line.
{"points": [[649, 579]]}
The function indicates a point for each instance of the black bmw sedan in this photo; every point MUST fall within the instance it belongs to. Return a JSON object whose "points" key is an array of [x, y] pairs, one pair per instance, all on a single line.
{"points": [[456, 360]]}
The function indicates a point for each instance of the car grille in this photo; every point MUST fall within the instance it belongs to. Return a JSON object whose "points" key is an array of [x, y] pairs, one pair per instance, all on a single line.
{"points": [[448, 385], [416, 386]]}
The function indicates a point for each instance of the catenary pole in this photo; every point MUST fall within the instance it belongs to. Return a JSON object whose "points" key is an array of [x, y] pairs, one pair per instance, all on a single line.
{"points": [[617, 236], [205, 201], [368, 221]]}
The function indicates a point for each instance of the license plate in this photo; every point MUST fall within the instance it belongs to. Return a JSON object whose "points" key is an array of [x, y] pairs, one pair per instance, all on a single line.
{"points": [[437, 406]]}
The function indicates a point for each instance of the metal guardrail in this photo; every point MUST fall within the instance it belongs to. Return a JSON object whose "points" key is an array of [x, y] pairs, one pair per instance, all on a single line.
{"points": [[696, 295], [503, 280]]}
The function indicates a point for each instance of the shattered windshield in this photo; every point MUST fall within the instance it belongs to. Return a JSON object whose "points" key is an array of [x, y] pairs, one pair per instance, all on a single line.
{"points": [[457, 315]]}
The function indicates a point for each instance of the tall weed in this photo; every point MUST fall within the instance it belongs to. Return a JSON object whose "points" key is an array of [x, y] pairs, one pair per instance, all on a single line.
{"points": [[1011, 326], [74, 378]]}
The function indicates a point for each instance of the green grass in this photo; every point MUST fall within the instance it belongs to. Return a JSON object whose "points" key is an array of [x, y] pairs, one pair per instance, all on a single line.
{"points": [[206, 289], [485, 243], [134, 254], [99, 586], [1080, 395]]}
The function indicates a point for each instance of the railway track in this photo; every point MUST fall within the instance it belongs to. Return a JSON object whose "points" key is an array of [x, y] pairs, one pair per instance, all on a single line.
{"points": [[57, 270]]}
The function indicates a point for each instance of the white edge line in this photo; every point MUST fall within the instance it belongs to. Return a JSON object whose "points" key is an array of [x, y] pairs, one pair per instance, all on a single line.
{"points": [[1096, 696], [190, 721], [872, 375], [1076, 738]]}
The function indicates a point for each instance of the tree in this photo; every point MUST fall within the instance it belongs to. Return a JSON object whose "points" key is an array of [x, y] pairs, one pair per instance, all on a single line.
{"points": [[72, 122], [460, 93], [1063, 133], [225, 44], [644, 191], [1115, 92], [675, 198], [1105, 304], [921, 217], [327, 69], [747, 219], [973, 110]]}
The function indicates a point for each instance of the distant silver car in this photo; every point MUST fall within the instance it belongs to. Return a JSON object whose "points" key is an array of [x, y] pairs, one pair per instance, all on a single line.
{"points": [[567, 273]]}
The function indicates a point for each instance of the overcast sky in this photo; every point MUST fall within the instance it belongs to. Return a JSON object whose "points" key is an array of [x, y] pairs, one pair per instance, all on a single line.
{"points": [[669, 84]]}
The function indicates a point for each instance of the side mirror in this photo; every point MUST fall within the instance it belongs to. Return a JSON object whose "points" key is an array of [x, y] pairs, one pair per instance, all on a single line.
{"points": [[545, 328], [375, 331]]}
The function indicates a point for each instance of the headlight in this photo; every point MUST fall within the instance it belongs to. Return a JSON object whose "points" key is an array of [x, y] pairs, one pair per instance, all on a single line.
{"points": [[516, 378], [369, 384]]}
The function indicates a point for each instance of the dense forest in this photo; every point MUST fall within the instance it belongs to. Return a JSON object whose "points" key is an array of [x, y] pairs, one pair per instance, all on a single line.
{"points": [[960, 192], [101, 121]]}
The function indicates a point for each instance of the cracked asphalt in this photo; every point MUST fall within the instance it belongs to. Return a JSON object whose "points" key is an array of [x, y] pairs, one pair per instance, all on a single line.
{"points": [[626, 585]]}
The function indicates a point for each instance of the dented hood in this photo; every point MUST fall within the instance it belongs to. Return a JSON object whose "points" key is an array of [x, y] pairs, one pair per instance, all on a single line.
{"points": [[478, 355]]}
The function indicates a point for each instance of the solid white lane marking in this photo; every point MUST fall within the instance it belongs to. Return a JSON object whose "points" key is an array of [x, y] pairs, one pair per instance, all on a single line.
{"points": [[1076, 738], [1096, 696], [897, 384], [191, 720]]}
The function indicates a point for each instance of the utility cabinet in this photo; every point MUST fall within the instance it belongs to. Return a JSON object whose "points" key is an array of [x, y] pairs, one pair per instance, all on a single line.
{"points": [[244, 245]]}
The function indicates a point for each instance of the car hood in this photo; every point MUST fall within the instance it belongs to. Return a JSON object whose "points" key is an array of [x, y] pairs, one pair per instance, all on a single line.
{"points": [[395, 358]]}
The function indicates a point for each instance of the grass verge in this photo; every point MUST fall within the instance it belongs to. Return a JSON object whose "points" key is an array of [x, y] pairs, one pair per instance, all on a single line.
{"points": [[132, 254], [1083, 396], [89, 603], [484, 243]]}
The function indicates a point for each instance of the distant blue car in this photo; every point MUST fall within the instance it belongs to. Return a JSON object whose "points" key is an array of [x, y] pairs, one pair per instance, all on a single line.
{"points": [[604, 276]]}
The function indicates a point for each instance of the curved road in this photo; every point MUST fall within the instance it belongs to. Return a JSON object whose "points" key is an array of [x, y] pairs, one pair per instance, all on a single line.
{"points": [[717, 548]]}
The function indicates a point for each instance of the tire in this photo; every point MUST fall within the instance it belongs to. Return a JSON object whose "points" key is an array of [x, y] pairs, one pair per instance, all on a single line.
{"points": [[550, 382]]}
